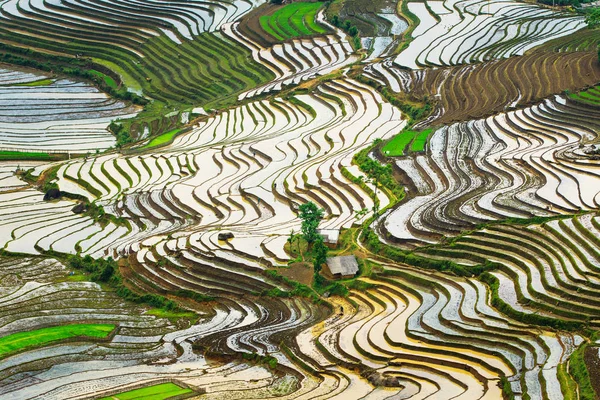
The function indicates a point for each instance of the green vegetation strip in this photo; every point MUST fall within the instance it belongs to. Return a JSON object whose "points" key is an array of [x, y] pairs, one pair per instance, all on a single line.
{"points": [[41, 337], [110, 82], [162, 139], [40, 82], [156, 392], [398, 144], [292, 20], [419, 142], [20, 155], [580, 374]]}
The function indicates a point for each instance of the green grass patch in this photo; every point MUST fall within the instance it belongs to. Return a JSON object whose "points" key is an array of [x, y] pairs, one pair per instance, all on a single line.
{"points": [[23, 341], [293, 20], [590, 96], [567, 385], [400, 142], [171, 314], [162, 391], [12, 155], [40, 82], [162, 139], [397, 145], [76, 278], [580, 374], [420, 140], [110, 82]]}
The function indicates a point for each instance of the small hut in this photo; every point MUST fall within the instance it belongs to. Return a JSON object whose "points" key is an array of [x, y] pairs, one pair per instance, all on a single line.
{"points": [[343, 267], [330, 237]]}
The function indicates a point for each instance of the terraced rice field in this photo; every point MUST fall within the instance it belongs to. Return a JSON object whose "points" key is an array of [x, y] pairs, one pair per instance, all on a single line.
{"points": [[246, 188], [521, 164], [458, 32], [159, 269], [292, 20], [400, 143], [22, 341], [59, 115], [297, 60], [159, 392], [170, 52], [475, 91]]}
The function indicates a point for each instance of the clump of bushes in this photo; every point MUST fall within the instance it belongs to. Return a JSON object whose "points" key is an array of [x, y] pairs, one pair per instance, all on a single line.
{"points": [[297, 288], [382, 173], [102, 270], [347, 27], [416, 113], [323, 285], [254, 358], [121, 133]]}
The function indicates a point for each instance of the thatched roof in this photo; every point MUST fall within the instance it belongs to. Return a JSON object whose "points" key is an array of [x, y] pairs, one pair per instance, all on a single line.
{"points": [[344, 265]]}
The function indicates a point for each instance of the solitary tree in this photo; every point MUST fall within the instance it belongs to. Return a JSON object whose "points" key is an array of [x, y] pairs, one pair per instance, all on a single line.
{"points": [[320, 254], [310, 215]]}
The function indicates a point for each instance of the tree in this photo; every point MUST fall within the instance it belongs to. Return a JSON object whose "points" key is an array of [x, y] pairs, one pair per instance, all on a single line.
{"points": [[294, 236], [592, 18], [320, 254], [310, 215]]}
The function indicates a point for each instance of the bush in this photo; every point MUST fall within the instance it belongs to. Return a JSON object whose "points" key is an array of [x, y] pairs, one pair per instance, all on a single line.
{"points": [[414, 112], [347, 27], [121, 133], [254, 358], [323, 285]]}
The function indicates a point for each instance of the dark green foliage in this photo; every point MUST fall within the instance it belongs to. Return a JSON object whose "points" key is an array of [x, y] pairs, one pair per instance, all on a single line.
{"points": [[347, 27], [254, 358], [96, 212], [414, 112], [381, 173], [592, 17], [101, 270], [323, 285], [319, 253], [121, 133], [507, 392], [310, 215]]}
